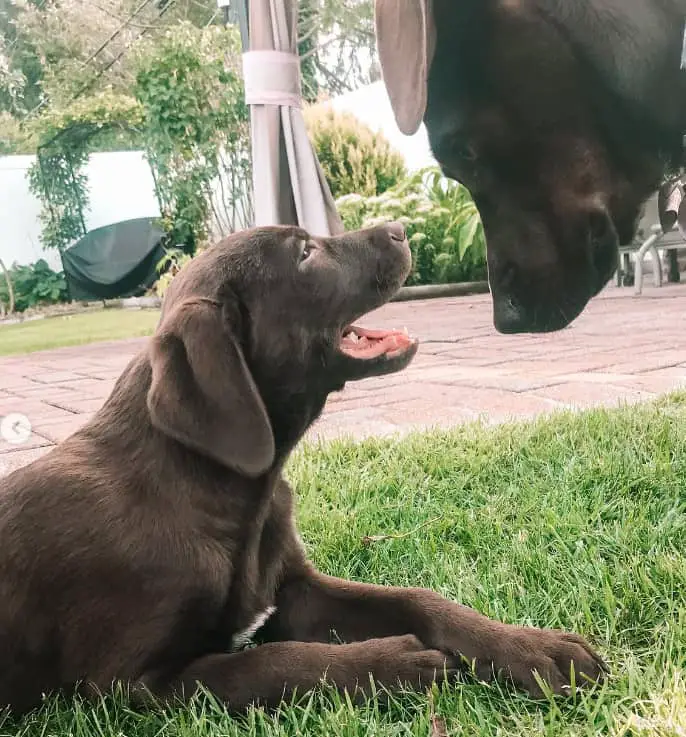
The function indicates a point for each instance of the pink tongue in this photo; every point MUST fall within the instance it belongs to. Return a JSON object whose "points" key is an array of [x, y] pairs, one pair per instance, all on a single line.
{"points": [[375, 334], [383, 343]]}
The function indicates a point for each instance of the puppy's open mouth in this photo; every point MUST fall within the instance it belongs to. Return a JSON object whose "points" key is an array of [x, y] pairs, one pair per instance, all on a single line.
{"points": [[363, 344]]}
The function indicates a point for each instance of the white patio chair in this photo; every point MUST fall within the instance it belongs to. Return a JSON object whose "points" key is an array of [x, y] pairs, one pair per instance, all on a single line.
{"points": [[649, 239]]}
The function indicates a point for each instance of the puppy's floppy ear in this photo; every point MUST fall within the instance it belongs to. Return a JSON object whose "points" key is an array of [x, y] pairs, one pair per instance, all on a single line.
{"points": [[202, 393], [406, 41]]}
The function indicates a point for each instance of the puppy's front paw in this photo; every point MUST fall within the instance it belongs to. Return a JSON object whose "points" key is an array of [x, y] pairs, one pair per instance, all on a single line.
{"points": [[558, 658], [406, 661]]}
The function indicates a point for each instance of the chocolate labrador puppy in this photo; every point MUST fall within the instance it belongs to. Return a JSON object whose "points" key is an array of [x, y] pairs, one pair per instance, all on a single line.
{"points": [[146, 547], [560, 116]]}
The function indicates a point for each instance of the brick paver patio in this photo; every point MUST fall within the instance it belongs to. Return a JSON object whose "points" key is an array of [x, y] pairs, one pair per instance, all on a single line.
{"points": [[622, 349]]}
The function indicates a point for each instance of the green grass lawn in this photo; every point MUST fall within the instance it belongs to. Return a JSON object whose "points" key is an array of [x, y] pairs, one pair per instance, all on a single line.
{"points": [[577, 522], [87, 327]]}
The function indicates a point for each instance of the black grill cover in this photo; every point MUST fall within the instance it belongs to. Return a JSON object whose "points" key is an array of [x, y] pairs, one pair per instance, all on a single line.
{"points": [[118, 260]]}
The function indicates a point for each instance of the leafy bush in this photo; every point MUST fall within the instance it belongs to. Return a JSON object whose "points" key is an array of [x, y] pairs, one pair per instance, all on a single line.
{"points": [[353, 157], [64, 138], [12, 139], [196, 127], [168, 267], [442, 222], [34, 285]]}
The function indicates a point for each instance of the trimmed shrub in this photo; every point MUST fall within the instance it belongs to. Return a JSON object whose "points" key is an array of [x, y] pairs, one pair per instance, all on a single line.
{"points": [[353, 157]]}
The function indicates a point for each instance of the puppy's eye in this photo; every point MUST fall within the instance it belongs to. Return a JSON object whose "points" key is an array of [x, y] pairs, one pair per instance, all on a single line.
{"points": [[307, 249]]}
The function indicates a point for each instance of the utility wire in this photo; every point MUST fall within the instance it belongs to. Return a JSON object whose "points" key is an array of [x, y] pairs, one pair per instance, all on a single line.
{"points": [[115, 33], [110, 64], [106, 68]]}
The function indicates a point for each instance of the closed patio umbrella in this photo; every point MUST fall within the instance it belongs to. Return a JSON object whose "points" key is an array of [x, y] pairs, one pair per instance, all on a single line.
{"points": [[288, 183]]}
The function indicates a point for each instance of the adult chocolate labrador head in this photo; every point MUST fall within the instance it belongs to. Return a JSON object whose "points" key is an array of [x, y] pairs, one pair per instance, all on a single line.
{"points": [[559, 116], [258, 330]]}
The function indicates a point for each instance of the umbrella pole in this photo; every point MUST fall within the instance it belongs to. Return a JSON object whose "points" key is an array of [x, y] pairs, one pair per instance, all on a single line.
{"points": [[243, 10]]}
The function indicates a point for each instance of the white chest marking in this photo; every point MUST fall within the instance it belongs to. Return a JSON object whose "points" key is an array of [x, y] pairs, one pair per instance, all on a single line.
{"points": [[242, 639]]}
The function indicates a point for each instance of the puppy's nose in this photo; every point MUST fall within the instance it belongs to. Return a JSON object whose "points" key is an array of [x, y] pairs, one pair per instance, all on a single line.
{"points": [[396, 231]]}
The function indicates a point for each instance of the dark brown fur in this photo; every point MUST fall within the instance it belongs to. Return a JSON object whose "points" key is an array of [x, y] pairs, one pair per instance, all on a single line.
{"points": [[139, 548]]}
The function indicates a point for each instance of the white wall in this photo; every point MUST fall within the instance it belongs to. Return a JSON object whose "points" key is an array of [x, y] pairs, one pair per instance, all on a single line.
{"points": [[121, 188]]}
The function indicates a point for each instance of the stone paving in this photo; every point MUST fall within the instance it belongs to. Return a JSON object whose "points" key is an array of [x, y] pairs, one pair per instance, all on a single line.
{"points": [[622, 349]]}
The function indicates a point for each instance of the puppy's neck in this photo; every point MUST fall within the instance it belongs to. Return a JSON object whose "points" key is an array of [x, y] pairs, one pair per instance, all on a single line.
{"points": [[125, 418], [291, 418]]}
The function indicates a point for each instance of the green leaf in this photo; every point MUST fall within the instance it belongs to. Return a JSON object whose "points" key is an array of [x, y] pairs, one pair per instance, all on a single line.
{"points": [[468, 235]]}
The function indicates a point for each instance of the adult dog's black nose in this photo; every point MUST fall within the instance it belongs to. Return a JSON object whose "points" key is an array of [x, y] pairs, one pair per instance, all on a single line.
{"points": [[396, 231], [510, 316]]}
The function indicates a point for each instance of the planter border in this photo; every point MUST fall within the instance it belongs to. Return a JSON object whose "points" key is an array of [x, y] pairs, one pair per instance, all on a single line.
{"points": [[405, 294], [434, 291]]}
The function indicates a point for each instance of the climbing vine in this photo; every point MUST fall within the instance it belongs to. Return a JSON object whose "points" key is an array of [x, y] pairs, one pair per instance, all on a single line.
{"points": [[65, 138], [196, 134]]}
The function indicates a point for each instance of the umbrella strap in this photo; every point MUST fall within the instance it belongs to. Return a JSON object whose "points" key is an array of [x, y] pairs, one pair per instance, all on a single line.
{"points": [[272, 78]]}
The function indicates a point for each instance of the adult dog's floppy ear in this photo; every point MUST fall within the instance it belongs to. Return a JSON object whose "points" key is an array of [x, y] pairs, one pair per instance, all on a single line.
{"points": [[202, 393], [406, 40]]}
